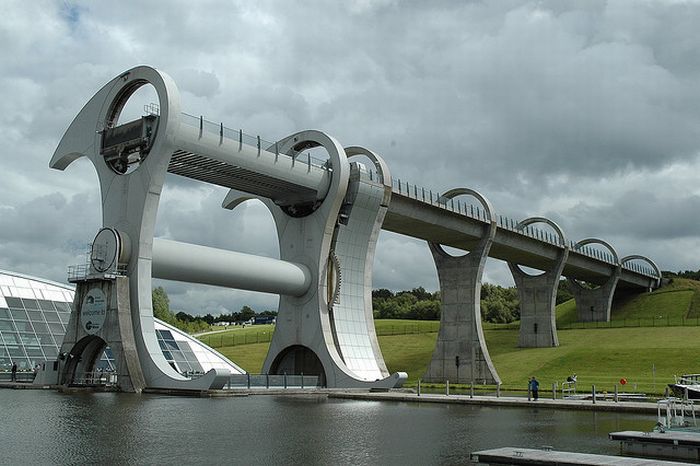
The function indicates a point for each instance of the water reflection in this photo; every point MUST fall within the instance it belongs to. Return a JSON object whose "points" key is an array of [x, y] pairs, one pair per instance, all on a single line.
{"points": [[46, 427]]}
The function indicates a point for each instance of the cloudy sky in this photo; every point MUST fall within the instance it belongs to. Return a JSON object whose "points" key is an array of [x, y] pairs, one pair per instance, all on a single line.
{"points": [[584, 112]]}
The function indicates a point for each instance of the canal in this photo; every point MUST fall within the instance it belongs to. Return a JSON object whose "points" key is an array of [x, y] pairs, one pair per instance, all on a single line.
{"points": [[45, 427]]}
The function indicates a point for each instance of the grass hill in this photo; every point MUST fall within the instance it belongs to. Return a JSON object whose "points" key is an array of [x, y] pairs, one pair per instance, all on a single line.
{"points": [[650, 338], [673, 304]]}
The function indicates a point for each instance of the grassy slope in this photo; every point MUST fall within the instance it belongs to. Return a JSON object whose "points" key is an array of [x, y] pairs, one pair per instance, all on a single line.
{"points": [[599, 356], [675, 302]]}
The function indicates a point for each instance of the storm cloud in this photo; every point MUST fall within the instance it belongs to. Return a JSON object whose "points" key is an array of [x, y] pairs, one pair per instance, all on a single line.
{"points": [[587, 112]]}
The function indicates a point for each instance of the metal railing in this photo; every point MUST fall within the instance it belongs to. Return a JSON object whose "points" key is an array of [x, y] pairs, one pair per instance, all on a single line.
{"points": [[238, 136], [477, 212], [273, 381], [96, 378], [20, 376]]}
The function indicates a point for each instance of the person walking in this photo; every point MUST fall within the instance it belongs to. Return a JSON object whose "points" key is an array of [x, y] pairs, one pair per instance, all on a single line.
{"points": [[534, 387], [14, 372]]}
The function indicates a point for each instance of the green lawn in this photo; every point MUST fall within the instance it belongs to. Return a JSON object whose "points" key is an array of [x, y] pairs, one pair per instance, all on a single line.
{"points": [[250, 357], [647, 356], [675, 304], [239, 335]]}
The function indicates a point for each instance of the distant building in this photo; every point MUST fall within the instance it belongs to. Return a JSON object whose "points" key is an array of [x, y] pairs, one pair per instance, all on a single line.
{"points": [[33, 316], [259, 320]]}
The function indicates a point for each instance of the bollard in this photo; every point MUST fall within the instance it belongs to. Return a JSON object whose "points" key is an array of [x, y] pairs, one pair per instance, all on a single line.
{"points": [[498, 390], [248, 382], [471, 391], [529, 393], [285, 380], [666, 392], [447, 388], [267, 380], [418, 387], [302, 380], [554, 391], [593, 393], [616, 393]]}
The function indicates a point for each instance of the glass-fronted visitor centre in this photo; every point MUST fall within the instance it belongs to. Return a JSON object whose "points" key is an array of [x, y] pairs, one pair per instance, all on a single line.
{"points": [[33, 316]]}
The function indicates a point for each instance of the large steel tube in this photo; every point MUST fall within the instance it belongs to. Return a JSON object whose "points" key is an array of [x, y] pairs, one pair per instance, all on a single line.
{"points": [[192, 263]]}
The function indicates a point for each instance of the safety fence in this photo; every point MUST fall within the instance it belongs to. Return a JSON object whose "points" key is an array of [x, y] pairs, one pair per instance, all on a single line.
{"points": [[268, 381], [659, 321], [20, 376], [234, 338]]}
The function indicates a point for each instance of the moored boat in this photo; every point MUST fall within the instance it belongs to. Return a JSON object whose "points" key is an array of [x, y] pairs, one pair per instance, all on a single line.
{"points": [[686, 386]]}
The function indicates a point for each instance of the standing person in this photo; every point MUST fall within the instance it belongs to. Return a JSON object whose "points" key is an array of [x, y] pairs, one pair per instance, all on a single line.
{"points": [[534, 387], [14, 371]]}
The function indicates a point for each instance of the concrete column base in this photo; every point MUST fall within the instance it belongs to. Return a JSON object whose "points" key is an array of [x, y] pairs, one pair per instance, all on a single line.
{"points": [[460, 354], [538, 296], [594, 304], [83, 347]]}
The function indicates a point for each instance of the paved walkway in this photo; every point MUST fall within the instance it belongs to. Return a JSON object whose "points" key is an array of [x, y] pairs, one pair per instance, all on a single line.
{"points": [[483, 400]]}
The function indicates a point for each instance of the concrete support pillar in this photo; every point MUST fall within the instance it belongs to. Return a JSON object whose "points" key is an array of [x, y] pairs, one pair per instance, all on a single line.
{"points": [[594, 304], [538, 296], [130, 185], [101, 317], [460, 353]]}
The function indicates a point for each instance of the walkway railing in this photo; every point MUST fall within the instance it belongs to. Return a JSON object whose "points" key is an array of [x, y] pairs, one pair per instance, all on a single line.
{"points": [[273, 381], [96, 378], [20, 377]]}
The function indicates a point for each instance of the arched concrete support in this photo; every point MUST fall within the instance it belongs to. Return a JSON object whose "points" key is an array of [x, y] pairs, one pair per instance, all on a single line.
{"points": [[331, 326], [460, 353], [130, 198], [653, 265], [594, 304], [117, 331], [538, 295]]}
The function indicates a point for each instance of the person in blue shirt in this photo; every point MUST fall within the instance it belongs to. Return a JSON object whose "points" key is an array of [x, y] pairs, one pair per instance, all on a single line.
{"points": [[534, 387]]}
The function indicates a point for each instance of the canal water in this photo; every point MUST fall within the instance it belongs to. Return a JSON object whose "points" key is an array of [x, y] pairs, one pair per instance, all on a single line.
{"points": [[45, 427]]}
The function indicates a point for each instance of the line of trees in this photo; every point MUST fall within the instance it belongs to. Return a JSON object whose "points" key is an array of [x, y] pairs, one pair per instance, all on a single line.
{"points": [[693, 275], [194, 324], [499, 304]]}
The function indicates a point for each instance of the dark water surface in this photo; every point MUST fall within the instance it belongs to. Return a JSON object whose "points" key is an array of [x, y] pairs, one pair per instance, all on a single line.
{"points": [[45, 427]]}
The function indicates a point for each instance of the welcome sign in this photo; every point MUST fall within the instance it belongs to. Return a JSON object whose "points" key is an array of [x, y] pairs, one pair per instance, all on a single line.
{"points": [[93, 311]]}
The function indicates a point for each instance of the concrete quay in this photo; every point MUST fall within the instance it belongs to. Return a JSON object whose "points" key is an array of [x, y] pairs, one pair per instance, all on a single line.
{"points": [[529, 456], [506, 401]]}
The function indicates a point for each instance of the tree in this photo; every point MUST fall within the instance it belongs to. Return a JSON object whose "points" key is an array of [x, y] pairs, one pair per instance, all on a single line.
{"points": [[185, 317], [425, 310], [246, 313], [563, 292], [161, 305], [382, 293]]}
